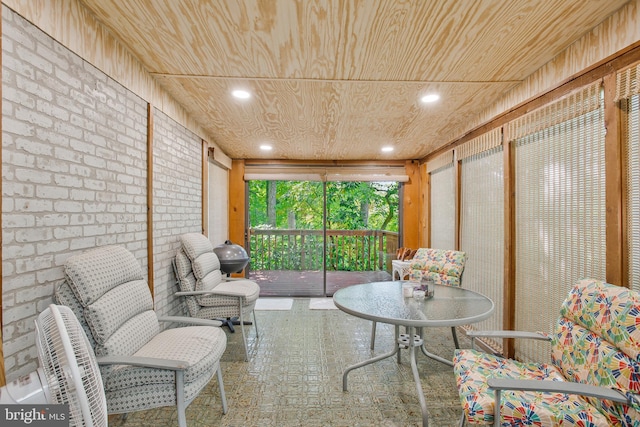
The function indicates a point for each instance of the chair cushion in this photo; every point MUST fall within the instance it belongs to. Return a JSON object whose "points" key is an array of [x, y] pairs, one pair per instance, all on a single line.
{"points": [[597, 341], [249, 290], [186, 280], [108, 313], [115, 299], [204, 262], [444, 267], [472, 368], [131, 336], [195, 244], [183, 269], [204, 274], [95, 272], [64, 296], [603, 308], [200, 346]]}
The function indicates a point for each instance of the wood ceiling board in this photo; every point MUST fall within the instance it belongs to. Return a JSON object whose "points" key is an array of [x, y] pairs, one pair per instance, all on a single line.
{"points": [[443, 40], [337, 79], [306, 119]]}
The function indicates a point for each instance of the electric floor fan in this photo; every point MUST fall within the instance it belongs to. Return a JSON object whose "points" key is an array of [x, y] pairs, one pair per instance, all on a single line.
{"points": [[68, 372]]}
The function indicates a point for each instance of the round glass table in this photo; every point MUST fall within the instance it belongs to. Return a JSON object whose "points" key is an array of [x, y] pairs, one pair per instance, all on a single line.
{"points": [[383, 302]]}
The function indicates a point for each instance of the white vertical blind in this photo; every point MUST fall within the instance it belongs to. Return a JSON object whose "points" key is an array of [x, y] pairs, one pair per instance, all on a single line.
{"points": [[443, 208], [631, 136], [482, 229], [443, 160], [218, 204], [560, 208], [628, 94]]}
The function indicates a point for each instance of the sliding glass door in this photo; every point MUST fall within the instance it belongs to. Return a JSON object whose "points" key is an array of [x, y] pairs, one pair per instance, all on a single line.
{"points": [[310, 238], [362, 232], [286, 237]]}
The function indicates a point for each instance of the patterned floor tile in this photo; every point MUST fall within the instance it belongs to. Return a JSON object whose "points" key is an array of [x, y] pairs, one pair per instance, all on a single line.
{"points": [[294, 378]]}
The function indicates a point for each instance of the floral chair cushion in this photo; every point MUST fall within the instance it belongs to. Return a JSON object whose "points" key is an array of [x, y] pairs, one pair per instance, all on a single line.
{"points": [[443, 267], [472, 368], [595, 342]]}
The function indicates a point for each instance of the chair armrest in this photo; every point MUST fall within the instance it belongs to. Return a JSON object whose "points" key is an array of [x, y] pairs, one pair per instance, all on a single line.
{"points": [[563, 387], [191, 320], [212, 292], [509, 334], [149, 362]]}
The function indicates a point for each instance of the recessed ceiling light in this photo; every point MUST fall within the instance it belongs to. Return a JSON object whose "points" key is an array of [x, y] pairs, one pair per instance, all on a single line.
{"points": [[432, 97], [241, 94], [266, 147], [387, 149]]}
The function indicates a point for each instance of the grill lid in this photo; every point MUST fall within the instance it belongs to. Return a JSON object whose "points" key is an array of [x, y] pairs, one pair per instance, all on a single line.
{"points": [[233, 258]]}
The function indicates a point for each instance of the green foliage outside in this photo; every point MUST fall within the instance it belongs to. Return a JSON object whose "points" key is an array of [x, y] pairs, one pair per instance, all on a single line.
{"points": [[350, 205], [368, 208]]}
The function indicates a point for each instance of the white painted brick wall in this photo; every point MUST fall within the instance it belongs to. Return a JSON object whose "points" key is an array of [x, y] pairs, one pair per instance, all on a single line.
{"points": [[177, 198], [74, 174]]}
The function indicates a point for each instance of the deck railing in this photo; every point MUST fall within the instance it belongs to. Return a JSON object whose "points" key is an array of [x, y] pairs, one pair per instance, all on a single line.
{"points": [[347, 250]]}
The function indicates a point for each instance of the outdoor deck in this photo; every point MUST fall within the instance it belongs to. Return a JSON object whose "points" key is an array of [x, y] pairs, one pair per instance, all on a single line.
{"points": [[292, 283]]}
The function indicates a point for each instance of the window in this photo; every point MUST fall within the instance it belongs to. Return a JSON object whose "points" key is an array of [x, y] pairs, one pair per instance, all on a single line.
{"points": [[443, 202], [482, 221], [560, 208]]}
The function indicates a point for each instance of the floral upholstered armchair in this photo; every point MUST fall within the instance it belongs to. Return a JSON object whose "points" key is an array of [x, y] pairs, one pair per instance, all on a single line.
{"points": [[442, 266], [593, 378]]}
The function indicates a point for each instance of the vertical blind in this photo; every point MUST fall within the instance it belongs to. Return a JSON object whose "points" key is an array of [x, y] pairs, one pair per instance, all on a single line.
{"points": [[482, 221], [560, 208], [628, 95], [218, 204], [443, 204]]}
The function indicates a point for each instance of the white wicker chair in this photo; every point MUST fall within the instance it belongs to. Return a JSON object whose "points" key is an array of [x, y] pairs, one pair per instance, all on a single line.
{"points": [[142, 366], [208, 293]]}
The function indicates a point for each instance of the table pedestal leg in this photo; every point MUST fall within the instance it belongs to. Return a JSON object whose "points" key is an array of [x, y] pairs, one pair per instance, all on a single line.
{"points": [[369, 361], [431, 355], [416, 375]]}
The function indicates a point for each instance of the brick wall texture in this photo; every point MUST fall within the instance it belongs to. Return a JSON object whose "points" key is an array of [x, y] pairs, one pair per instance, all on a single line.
{"points": [[177, 200], [75, 177]]}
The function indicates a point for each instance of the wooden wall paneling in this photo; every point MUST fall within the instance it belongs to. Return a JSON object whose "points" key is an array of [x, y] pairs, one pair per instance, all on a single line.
{"points": [[411, 206], [427, 205], [508, 310], [458, 199], [150, 198], [424, 186], [237, 205], [205, 187], [616, 263]]}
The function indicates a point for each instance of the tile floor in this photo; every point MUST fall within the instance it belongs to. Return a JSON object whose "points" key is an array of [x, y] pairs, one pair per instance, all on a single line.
{"points": [[294, 378]]}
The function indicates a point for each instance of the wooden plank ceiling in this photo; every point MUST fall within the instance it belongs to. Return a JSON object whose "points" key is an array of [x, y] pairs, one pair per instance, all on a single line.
{"points": [[339, 79]]}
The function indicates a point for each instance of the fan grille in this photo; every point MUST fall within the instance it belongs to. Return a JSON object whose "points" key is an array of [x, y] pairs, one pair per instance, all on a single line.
{"points": [[70, 367]]}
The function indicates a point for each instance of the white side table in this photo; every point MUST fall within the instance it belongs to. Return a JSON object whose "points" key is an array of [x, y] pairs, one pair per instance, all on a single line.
{"points": [[401, 267]]}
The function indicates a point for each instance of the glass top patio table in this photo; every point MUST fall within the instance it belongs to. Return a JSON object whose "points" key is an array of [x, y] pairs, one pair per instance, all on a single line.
{"points": [[384, 302]]}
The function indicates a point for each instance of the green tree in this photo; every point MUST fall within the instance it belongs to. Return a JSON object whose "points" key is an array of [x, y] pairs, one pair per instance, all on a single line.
{"points": [[350, 205]]}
